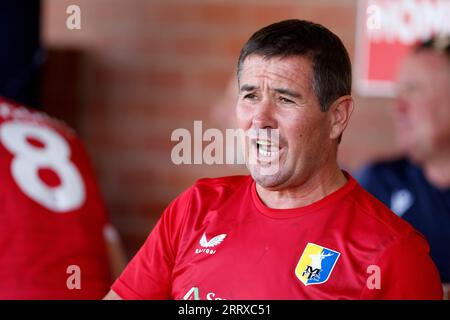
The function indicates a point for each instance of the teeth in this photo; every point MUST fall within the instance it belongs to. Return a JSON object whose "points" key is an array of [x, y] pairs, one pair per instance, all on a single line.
{"points": [[266, 150], [267, 144], [265, 153], [263, 142]]}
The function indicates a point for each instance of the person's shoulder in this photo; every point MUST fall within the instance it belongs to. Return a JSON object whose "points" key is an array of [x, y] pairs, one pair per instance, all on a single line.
{"points": [[223, 182], [216, 190], [220, 187], [390, 166], [407, 270], [380, 217], [18, 113], [382, 177], [205, 196]]}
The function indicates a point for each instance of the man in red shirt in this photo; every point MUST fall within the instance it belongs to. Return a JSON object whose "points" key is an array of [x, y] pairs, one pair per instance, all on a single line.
{"points": [[306, 230], [55, 238]]}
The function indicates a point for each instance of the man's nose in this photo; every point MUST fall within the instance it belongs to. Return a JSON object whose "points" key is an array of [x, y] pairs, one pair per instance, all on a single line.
{"points": [[264, 115]]}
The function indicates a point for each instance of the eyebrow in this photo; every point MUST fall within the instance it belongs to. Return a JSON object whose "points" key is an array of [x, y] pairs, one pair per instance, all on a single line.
{"points": [[249, 87], [288, 92]]}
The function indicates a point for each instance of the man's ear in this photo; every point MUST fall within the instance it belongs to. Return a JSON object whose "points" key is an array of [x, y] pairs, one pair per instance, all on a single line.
{"points": [[340, 112]]}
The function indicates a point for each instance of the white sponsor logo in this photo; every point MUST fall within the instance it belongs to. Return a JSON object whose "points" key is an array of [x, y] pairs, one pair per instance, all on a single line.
{"points": [[213, 242]]}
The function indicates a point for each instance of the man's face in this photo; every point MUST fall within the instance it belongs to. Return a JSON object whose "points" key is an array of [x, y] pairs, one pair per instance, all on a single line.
{"points": [[277, 93], [422, 106]]}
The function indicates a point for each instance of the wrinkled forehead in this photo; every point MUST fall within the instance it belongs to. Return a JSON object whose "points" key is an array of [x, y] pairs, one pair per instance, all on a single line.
{"points": [[290, 69]]}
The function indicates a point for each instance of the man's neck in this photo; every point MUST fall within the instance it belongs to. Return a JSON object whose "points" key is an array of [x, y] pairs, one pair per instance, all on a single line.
{"points": [[437, 169], [313, 189]]}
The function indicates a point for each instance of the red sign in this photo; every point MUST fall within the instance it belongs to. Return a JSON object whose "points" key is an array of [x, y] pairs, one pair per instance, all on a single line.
{"points": [[385, 32]]}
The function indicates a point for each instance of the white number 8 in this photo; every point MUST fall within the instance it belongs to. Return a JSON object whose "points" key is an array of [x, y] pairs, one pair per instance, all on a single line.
{"points": [[28, 159]]}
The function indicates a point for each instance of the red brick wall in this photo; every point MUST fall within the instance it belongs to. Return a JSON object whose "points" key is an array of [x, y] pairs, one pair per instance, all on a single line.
{"points": [[154, 66]]}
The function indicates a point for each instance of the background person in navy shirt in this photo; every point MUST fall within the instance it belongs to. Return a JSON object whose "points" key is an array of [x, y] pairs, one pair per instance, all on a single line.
{"points": [[417, 187]]}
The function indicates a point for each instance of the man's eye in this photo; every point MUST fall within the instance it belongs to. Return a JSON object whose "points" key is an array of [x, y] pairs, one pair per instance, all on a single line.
{"points": [[286, 100], [250, 96]]}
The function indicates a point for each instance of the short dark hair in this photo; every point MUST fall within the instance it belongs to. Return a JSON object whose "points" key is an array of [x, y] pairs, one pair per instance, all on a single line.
{"points": [[332, 71]]}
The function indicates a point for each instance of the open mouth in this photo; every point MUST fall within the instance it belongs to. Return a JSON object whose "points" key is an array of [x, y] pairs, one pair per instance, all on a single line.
{"points": [[266, 149], [265, 152]]}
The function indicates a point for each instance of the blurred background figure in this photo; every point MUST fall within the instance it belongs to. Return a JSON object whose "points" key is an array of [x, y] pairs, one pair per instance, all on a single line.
{"points": [[417, 185], [56, 241], [55, 238]]}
